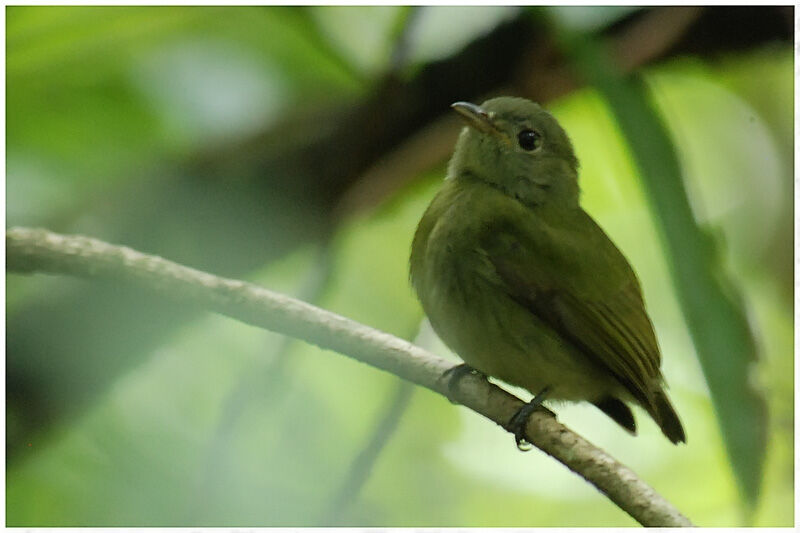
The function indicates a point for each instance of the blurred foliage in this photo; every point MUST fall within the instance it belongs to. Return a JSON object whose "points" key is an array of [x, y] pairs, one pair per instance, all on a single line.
{"points": [[149, 84], [101, 100]]}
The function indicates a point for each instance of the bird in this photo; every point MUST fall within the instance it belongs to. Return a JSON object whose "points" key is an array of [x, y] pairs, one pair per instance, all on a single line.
{"points": [[523, 285]]}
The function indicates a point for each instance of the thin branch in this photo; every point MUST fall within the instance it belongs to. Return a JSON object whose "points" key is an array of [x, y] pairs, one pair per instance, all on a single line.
{"points": [[31, 250], [653, 35], [362, 465]]}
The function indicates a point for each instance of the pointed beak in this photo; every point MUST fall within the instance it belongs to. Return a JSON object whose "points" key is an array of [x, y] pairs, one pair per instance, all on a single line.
{"points": [[475, 116]]}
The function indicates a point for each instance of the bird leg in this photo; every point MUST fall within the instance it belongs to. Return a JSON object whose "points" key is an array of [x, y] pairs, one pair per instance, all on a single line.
{"points": [[519, 421], [454, 375]]}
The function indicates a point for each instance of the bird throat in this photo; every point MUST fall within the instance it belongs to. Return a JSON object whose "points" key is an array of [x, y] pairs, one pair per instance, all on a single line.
{"points": [[530, 192]]}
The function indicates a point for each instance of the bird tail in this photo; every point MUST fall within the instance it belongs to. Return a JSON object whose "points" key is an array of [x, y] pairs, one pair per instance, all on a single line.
{"points": [[618, 412], [666, 417]]}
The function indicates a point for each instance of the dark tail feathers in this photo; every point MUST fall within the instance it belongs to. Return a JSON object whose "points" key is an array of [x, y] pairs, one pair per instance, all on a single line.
{"points": [[667, 418], [660, 409], [618, 412]]}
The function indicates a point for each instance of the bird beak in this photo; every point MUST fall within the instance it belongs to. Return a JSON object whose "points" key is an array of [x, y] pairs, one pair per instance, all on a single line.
{"points": [[475, 116]]}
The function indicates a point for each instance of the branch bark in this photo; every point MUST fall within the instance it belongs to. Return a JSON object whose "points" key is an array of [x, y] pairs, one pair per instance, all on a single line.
{"points": [[37, 250]]}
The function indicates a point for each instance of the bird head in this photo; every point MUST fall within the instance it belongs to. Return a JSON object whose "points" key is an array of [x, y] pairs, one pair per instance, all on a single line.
{"points": [[518, 147]]}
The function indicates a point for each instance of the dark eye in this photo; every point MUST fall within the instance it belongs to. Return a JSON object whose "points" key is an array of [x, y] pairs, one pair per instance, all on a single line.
{"points": [[529, 140]]}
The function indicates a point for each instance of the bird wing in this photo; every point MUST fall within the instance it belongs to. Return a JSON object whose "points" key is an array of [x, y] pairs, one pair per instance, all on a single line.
{"points": [[576, 281]]}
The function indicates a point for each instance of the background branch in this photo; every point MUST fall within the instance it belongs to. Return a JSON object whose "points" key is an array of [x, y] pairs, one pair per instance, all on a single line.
{"points": [[544, 77], [266, 379], [359, 471], [31, 250]]}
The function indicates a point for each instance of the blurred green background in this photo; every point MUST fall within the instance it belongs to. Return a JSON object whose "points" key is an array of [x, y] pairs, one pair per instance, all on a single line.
{"points": [[297, 148]]}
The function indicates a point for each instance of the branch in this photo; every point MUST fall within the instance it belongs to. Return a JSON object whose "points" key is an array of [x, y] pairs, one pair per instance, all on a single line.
{"points": [[362, 465], [31, 250]]}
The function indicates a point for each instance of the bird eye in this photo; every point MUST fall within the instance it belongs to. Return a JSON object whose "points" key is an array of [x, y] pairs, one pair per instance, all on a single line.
{"points": [[529, 140]]}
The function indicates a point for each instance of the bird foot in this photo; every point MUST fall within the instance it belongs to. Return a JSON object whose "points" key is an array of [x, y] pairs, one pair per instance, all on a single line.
{"points": [[519, 422], [454, 375]]}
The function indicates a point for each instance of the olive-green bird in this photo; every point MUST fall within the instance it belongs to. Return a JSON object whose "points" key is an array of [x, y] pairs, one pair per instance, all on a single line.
{"points": [[521, 283]]}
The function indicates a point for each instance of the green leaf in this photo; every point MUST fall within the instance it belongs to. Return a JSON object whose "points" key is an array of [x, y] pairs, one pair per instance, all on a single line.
{"points": [[712, 306]]}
